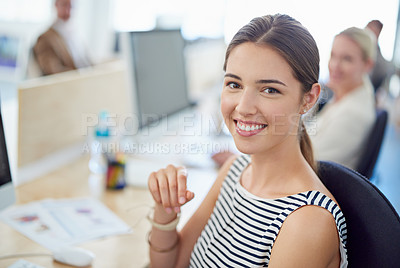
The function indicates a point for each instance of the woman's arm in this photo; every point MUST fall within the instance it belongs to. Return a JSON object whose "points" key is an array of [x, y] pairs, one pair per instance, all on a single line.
{"points": [[167, 187], [308, 238]]}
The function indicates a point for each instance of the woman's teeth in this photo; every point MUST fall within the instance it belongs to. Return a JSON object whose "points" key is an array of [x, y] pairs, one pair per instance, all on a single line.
{"points": [[251, 127]]}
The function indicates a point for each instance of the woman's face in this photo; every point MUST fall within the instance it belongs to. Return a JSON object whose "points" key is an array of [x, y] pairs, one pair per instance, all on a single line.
{"points": [[261, 100], [346, 65]]}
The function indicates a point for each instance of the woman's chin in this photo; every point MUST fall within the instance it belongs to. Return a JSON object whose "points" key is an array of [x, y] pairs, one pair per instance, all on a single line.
{"points": [[245, 149]]}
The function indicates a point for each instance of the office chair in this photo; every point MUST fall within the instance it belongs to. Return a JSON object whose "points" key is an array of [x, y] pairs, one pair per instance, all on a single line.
{"points": [[373, 225], [373, 145]]}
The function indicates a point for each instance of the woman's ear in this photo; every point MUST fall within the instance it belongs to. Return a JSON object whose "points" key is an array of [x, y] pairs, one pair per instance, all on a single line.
{"points": [[311, 97], [369, 64]]}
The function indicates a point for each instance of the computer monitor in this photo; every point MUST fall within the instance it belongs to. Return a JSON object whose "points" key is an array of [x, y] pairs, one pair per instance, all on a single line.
{"points": [[7, 191], [157, 70]]}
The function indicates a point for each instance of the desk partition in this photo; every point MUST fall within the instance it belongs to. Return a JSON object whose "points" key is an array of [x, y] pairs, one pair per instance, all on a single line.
{"points": [[53, 110]]}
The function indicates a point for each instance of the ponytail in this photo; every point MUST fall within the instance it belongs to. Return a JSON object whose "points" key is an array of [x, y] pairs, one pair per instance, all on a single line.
{"points": [[306, 148]]}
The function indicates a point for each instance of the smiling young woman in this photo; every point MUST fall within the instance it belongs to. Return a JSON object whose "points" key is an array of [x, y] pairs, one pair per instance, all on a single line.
{"points": [[262, 101], [267, 207]]}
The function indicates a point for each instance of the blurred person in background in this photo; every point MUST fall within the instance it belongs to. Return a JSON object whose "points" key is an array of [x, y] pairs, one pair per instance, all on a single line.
{"points": [[382, 68], [343, 125], [60, 48]]}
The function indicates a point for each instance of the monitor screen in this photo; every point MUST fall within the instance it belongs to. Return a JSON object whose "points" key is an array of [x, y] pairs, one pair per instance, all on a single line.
{"points": [[159, 75], [7, 192]]}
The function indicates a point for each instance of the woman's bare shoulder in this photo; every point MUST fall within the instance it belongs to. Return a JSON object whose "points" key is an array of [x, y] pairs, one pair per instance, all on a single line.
{"points": [[307, 230]]}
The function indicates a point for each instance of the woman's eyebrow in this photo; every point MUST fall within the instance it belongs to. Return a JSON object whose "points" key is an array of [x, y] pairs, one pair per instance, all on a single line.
{"points": [[261, 81], [270, 81], [233, 76]]}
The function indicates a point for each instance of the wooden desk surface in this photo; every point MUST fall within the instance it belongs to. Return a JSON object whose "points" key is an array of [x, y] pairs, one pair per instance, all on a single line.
{"points": [[129, 250]]}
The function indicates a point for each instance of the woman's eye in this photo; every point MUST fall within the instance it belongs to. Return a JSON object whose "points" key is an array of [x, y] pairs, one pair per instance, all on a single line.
{"points": [[233, 85], [271, 90], [348, 58]]}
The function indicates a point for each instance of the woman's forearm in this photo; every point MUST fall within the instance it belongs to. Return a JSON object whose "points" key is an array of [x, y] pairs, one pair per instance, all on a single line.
{"points": [[163, 245]]}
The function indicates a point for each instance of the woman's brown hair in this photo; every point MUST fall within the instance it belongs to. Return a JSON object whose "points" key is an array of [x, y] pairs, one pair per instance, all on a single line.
{"points": [[296, 45]]}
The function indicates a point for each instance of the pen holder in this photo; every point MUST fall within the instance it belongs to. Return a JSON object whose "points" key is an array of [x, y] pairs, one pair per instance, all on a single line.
{"points": [[115, 177]]}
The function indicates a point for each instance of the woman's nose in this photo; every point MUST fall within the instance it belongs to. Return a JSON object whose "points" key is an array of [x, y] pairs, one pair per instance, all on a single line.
{"points": [[247, 104], [333, 64]]}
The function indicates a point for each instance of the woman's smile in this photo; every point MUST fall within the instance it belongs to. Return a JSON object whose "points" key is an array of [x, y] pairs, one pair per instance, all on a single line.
{"points": [[247, 128]]}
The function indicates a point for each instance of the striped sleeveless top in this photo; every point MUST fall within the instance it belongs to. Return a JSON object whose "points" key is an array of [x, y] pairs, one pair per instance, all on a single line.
{"points": [[243, 227]]}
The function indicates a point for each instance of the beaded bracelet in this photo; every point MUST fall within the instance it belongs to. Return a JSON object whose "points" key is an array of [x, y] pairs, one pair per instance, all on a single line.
{"points": [[160, 250], [164, 227]]}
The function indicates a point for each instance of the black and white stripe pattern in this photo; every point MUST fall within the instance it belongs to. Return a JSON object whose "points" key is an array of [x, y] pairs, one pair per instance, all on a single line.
{"points": [[243, 227]]}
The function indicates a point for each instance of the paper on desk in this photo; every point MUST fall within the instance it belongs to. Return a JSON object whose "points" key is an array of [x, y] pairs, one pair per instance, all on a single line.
{"points": [[57, 223]]}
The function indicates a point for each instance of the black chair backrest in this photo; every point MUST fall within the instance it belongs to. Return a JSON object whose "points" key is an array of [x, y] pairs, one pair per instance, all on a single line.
{"points": [[373, 145], [373, 225]]}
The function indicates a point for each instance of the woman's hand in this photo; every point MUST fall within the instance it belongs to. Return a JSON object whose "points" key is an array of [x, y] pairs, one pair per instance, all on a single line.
{"points": [[169, 189]]}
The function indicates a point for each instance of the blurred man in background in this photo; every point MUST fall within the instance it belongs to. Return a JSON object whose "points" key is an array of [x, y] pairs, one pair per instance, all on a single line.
{"points": [[60, 48]]}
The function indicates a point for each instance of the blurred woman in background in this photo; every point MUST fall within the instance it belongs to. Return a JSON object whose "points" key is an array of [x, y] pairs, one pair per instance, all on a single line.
{"points": [[342, 126]]}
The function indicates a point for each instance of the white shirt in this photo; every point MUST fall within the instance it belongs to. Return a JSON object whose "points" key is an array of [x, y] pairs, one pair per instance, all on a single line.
{"points": [[342, 127], [76, 45]]}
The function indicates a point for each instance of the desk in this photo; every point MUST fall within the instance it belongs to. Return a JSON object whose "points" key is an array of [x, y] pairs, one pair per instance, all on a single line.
{"points": [[129, 250]]}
